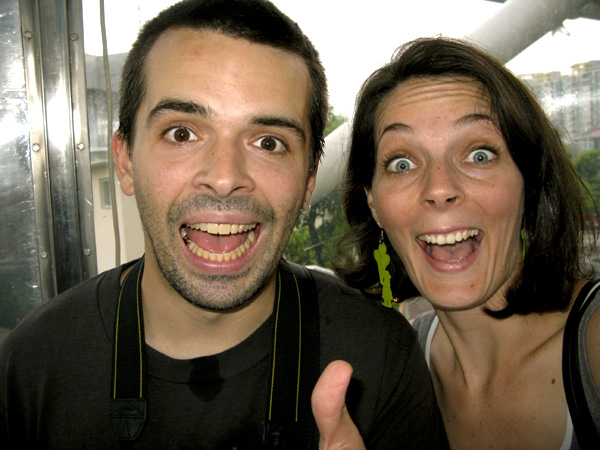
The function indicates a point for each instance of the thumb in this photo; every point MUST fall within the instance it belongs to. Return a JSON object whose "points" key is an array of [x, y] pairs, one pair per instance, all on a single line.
{"points": [[329, 408]]}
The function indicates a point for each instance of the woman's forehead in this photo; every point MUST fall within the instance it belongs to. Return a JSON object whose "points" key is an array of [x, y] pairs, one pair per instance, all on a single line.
{"points": [[414, 94]]}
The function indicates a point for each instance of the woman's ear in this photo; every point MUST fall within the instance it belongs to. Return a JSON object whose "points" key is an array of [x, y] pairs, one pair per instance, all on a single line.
{"points": [[123, 164]]}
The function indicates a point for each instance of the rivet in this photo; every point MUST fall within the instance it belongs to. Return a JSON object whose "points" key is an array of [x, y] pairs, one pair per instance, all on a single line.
{"points": [[35, 147], [27, 35]]}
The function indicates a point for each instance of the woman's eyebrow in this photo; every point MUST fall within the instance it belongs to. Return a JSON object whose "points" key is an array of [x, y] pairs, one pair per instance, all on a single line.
{"points": [[474, 118], [397, 127]]}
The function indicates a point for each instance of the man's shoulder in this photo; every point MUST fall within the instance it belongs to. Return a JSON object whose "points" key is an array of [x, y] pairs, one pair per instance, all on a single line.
{"points": [[335, 294], [344, 307], [78, 296], [67, 310]]}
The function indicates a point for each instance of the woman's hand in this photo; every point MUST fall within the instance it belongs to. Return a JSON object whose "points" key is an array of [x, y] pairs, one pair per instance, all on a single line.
{"points": [[337, 429]]}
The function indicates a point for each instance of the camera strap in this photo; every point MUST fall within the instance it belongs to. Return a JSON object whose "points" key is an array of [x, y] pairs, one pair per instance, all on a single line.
{"points": [[295, 361], [128, 405]]}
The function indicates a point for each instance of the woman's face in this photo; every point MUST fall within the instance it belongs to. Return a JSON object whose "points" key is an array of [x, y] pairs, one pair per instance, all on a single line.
{"points": [[447, 192]]}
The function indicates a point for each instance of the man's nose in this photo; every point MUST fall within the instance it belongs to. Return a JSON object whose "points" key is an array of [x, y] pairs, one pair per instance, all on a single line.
{"points": [[223, 168]]}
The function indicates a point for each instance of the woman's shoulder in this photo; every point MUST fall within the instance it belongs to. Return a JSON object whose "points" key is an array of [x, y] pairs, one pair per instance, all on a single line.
{"points": [[581, 357], [423, 321], [422, 324], [585, 318]]}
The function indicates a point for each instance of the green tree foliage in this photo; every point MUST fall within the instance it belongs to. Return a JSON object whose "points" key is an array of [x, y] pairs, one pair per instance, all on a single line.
{"points": [[587, 165], [315, 236], [334, 121]]}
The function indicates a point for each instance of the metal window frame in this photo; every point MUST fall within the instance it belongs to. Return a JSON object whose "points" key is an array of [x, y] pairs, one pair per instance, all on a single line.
{"points": [[55, 79]]}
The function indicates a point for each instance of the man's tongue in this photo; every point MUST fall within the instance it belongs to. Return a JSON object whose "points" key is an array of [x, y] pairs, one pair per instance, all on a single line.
{"points": [[452, 253], [215, 243]]}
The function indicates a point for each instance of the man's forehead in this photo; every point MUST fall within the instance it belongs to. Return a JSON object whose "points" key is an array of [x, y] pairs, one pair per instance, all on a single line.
{"points": [[198, 40], [198, 67], [216, 51]]}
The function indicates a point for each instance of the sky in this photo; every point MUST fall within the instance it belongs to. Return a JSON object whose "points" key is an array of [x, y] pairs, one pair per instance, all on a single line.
{"points": [[356, 37]]}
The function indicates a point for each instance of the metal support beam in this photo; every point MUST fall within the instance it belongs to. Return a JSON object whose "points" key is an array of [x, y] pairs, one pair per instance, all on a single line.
{"points": [[519, 23]]}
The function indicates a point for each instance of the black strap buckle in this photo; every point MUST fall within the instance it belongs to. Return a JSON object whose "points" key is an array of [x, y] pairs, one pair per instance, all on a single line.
{"points": [[278, 435], [127, 417]]}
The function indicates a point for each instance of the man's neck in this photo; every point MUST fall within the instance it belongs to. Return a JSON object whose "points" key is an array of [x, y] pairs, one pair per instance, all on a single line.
{"points": [[180, 330]]}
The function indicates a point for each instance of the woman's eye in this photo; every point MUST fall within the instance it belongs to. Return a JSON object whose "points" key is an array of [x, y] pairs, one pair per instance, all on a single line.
{"points": [[270, 144], [481, 156], [180, 134], [400, 165]]}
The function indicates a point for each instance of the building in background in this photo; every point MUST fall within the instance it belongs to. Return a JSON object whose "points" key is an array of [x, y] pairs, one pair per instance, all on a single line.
{"points": [[573, 102]]}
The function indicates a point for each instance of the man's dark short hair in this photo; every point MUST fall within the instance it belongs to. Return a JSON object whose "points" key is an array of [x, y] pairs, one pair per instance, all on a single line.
{"points": [[257, 21], [554, 215]]}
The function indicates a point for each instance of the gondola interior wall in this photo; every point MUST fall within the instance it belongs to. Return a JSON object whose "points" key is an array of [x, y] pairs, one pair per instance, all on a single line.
{"points": [[47, 239]]}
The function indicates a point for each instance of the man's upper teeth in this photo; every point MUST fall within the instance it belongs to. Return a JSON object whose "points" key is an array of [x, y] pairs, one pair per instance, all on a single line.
{"points": [[450, 238], [222, 228]]}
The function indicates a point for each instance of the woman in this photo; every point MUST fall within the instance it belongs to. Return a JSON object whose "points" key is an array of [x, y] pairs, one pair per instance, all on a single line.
{"points": [[454, 164]]}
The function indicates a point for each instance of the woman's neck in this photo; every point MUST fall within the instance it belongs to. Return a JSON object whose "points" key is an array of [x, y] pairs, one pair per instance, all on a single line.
{"points": [[480, 348]]}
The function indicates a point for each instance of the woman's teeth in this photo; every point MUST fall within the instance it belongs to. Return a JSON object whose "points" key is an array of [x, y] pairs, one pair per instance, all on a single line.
{"points": [[450, 238]]}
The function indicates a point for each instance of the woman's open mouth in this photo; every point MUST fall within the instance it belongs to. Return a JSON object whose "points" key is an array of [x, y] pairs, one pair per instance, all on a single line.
{"points": [[451, 247]]}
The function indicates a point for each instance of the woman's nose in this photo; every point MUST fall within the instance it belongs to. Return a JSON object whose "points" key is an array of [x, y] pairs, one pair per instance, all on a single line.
{"points": [[442, 186]]}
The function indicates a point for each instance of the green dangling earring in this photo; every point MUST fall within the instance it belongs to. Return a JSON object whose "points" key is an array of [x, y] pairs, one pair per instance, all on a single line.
{"points": [[383, 260], [523, 241]]}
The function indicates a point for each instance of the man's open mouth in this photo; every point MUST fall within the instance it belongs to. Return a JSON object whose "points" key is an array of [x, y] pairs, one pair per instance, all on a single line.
{"points": [[218, 241], [452, 247]]}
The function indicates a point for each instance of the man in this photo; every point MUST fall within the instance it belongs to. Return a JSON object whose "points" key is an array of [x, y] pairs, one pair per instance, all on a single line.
{"points": [[223, 106]]}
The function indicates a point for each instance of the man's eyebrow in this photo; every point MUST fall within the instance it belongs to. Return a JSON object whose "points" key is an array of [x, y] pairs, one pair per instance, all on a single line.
{"points": [[281, 122], [184, 106]]}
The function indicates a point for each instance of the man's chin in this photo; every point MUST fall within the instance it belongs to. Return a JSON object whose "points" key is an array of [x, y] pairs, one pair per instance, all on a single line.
{"points": [[224, 292]]}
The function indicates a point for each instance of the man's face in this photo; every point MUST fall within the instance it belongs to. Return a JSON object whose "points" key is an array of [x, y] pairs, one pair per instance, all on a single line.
{"points": [[219, 163]]}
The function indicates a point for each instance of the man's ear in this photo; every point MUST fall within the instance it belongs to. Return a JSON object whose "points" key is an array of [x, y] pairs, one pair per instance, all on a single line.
{"points": [[123, 164], [370, 203], [310, 185]]}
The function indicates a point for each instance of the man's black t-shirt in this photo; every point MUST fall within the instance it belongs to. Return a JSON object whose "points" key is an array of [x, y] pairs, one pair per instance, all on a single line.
{"points": [[55, 378]]}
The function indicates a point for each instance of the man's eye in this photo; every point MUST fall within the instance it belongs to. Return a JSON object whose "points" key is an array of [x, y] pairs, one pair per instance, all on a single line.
{"points": [[400, 165], [481, 156], [270, 144], [180, 134]]}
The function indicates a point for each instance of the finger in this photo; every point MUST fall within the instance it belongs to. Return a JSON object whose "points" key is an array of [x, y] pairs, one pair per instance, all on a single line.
{"points": [[329, 408], [329, 395]]}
